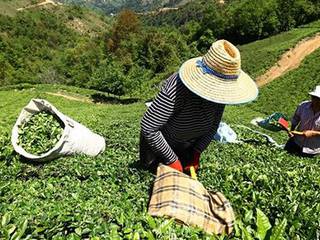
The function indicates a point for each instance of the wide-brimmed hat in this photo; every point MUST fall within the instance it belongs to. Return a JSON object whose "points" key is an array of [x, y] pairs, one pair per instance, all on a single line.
{"points": [[316, 92], [217, 76]]}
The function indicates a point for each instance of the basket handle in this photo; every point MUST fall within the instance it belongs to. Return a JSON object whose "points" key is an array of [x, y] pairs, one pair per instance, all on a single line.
{"points": [[193, 173]]}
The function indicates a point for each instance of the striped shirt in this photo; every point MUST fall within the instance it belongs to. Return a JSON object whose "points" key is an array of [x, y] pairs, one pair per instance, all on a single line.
{"points": [[307, 120], [178, 116]]}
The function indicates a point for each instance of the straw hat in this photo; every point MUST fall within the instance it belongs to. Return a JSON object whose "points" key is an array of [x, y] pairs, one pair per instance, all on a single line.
{"points": [[316, 92], [217, 76]]}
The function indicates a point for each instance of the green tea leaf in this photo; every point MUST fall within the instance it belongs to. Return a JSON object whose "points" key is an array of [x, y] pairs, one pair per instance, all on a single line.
{"points": [[152, 223], [11, 228], [246, 235], [22, 229], [279, 230], [263, 224], [5, 219], [136, 236]]}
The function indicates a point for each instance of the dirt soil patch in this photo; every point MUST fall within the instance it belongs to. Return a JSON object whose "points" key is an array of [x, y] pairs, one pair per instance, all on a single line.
{"points": [[69, 97], [290, 60]]}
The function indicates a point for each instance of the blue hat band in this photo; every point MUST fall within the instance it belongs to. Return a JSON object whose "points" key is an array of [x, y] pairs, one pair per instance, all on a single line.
{"points": [[207, 70]]}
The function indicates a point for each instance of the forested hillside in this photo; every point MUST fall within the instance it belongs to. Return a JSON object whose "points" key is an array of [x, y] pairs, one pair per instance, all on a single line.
{"points": [[124, 55], [114, 6], [64, 45], [240, 21]]}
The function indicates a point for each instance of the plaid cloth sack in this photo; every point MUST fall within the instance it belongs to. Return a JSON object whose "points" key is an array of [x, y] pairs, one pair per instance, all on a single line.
{"points": [[177, 195]]}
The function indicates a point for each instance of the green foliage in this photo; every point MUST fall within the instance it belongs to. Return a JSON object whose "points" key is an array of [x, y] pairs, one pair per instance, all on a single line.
{"points": [[159, 53], [106, 197], [108, 77], [113, 6], [296, 12], [5, 71], [263, 225], [128, 58], [78, 63], [9, 7], [74, 11], [29, 43], [10, 230], [278, 232], [241, 21], [205, 41], [40, 47], [252, 20], [127, 23], [40, 133], [7, 153]]}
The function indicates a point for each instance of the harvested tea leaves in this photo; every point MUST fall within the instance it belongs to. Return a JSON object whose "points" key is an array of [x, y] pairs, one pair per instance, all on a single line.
{"points": [[40, 133]]}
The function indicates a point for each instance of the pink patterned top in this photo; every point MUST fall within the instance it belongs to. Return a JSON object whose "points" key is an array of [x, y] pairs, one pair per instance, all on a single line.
{"points": [[307, 120]]}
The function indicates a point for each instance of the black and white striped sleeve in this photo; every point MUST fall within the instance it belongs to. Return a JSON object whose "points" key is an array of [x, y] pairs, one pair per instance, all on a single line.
{"points": [[157, 115]]}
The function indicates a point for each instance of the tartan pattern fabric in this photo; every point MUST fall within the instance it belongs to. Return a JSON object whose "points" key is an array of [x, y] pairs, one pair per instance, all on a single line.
{"points": [[177, 195]]}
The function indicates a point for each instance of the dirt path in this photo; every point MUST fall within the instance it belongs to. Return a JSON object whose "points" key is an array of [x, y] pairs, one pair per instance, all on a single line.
{"points": [[45, 2], [74, 98], [290, 60], [159, 11]]}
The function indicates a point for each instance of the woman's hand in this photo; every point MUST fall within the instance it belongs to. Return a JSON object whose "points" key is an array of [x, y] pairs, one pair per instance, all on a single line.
{"points": [[311, 133], [195, 162], [176, 165]]}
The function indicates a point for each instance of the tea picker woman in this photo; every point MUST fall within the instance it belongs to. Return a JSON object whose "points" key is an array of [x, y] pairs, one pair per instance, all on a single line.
{"points": [[306, 120], [181, 121]]}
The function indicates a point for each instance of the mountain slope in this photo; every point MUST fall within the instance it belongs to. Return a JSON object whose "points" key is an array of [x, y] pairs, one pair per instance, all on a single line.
{"points": [[113, 6], [35, 40], [10, 7]]}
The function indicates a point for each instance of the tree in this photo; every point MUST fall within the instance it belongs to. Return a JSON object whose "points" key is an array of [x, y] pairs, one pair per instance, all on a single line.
{"points": [[296, 12], [108, 77], [127, 23], [205, 41], [252, 20], [5, 71]]}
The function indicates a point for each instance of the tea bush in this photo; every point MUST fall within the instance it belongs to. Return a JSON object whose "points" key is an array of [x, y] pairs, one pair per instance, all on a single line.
{"points": [[106, 197]]}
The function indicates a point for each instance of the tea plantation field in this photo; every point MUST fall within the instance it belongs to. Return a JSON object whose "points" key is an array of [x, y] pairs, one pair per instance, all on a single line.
{"points": [[106, 197]]}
